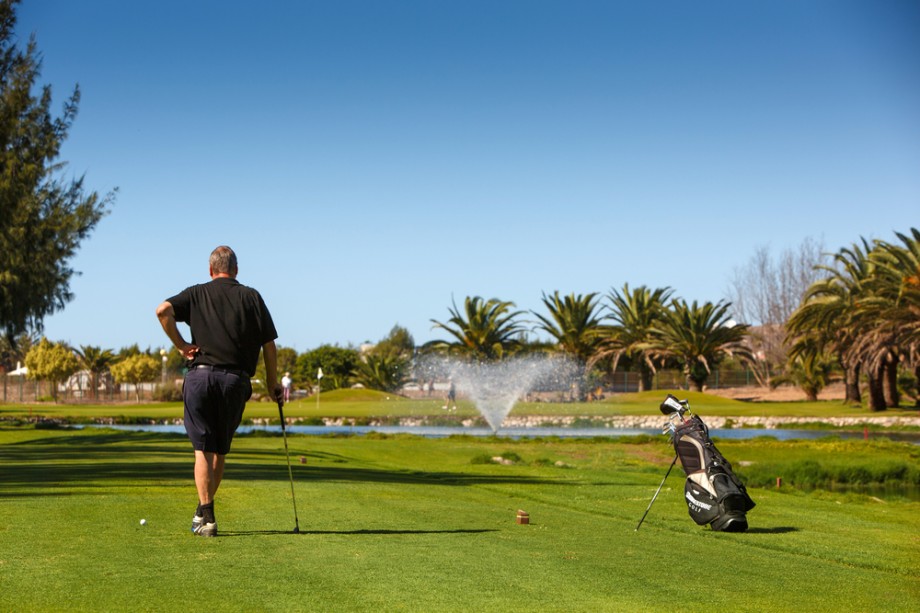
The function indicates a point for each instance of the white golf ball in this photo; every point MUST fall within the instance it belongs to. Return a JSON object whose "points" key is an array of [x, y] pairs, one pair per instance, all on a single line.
{"points": [[143, 522]]}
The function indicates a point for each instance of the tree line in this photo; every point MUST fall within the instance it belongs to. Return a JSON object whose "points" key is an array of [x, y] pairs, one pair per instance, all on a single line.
{"points": [[860, 319]]}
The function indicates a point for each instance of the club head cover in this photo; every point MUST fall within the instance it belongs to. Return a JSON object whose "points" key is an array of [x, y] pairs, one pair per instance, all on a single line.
{"points": [[672, 405]]}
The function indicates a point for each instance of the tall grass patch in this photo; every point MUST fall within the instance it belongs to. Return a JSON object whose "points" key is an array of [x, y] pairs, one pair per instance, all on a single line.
{"points": [[825, 462]]}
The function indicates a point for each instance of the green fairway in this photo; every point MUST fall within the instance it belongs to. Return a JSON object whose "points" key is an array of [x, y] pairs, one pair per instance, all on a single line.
{"points": [[411, 524]]}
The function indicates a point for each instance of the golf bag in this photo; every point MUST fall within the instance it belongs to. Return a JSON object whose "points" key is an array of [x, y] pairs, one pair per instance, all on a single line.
{"points": [[714, 495]]}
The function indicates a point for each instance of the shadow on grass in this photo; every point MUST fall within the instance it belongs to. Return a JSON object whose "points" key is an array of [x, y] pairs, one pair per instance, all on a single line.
{"points": [[777, 530], [114, 460], [102, 437], [366, 532]]}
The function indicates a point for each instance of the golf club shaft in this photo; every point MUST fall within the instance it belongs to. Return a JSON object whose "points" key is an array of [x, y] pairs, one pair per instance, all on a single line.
{"points": [[656, 493], [287, 454]]}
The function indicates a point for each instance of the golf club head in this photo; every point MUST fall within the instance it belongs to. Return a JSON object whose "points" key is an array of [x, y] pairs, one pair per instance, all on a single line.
{"points": [[672, 405], [674, 421], [296, 529]]}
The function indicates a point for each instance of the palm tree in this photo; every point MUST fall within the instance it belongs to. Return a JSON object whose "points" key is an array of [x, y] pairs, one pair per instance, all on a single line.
{"points": [[889, 318], [868, 313], [384, 372], [876, 347], [97, 361], [808, 368], [635, 315], [699, 337], [574, 323], [485, 330], [901, 265], [827, 314]]}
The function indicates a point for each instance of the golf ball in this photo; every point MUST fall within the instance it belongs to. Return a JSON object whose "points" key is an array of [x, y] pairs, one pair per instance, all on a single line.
{"points": [[143, 522]]}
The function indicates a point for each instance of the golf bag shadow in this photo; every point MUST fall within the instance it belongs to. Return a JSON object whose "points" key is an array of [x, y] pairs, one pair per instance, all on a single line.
{"points": [[714, 495]]}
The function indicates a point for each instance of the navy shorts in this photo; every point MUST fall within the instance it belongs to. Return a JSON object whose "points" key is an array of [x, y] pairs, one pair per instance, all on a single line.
{"points": [[214, 403]]}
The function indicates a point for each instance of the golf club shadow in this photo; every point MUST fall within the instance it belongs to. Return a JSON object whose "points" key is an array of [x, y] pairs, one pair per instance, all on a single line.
{"points": [[363, 532], [777, 530]]}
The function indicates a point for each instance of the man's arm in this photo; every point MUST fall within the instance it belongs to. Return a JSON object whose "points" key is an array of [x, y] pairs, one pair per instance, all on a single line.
{"points": [[167, 318], [270, 356]]}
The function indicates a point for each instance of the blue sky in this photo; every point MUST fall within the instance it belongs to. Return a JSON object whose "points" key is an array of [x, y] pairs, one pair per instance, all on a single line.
{"points": [[371, 161]]}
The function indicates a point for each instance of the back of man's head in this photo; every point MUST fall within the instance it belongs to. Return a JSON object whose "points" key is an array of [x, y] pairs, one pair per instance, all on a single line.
{"points": [[223, 261]]}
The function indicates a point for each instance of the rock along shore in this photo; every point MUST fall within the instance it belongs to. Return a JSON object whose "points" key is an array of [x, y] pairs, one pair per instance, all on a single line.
{"points": [[642, 422], [636, 421]]}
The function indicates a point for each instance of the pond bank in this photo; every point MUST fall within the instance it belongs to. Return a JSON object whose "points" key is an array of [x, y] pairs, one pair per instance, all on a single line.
{"points": [[620, 421]]}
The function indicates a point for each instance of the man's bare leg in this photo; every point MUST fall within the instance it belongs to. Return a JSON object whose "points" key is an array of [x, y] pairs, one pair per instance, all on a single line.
{"points": [[209, 471]]}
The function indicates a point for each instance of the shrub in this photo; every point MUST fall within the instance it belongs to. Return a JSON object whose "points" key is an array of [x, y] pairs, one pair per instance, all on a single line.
{"points": [[168, 392]]}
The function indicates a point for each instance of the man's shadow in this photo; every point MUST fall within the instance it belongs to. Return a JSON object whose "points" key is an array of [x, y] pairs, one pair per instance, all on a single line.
{"points": [[363, 532]]}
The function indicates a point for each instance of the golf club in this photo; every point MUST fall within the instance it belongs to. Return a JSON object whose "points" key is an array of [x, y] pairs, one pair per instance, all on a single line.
{"points": [[290, 472], [656, 493]]}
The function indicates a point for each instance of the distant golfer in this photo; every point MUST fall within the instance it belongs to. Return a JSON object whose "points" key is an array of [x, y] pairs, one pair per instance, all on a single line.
{"points": [[286, 384], [451, 397], [230, 324]]}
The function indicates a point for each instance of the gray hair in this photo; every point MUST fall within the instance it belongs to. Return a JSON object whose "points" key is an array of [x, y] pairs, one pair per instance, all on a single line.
{"points": [[223, 260]]}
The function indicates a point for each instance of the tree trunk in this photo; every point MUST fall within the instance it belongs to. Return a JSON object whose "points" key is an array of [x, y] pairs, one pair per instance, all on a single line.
{"points": [[892, 397], [917, 383], [578, 385], [645, 379], [876, 389], [762, 370], [578, 390], [851, 384]]}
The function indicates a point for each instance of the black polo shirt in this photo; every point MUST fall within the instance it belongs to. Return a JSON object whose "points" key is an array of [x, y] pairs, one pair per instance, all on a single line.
{"points": [[229, 322]]}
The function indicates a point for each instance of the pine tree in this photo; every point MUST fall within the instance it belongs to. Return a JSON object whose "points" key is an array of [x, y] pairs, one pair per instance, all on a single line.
{"points": [[43, 216]]}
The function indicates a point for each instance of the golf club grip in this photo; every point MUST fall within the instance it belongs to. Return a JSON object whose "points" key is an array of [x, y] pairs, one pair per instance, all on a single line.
{"points": [[281, 413]]}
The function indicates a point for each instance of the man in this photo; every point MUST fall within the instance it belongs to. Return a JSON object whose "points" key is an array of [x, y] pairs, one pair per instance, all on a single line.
{"points": [[286, 386], [230, 324], [451, 397]]}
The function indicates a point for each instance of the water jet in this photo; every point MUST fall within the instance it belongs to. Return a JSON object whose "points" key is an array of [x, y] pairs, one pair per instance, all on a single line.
{"points": [[495, 387]]}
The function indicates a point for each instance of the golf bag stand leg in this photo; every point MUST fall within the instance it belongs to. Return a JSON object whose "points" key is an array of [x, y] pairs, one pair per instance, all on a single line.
{"points": [[673, 462]]}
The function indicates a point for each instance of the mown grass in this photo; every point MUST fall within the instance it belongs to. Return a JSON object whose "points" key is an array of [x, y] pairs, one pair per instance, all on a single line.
{"points": [[403, 523]]}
